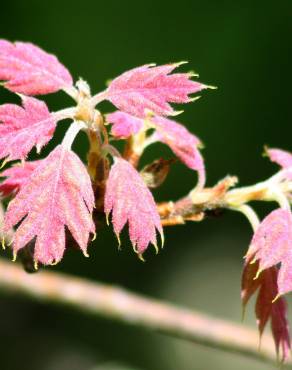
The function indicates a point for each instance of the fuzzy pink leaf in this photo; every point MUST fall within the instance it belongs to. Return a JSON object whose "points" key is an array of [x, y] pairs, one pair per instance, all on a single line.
{"points": [[272, 244], [123, 124], [265, 308], [30, 70], [129, 200], [182, 143], [151, 88], [24, 127], [58, 194], [17, 176], [281, 157]]}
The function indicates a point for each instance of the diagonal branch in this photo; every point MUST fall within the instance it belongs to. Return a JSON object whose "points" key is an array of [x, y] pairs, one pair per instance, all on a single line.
{"points": [[118, 304]]}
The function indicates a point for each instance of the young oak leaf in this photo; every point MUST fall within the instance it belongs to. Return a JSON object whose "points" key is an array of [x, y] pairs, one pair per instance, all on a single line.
{"points": [[281, 157], [24, 127], [31, 71], [129, 200], [183, 143], [17, 176], [123, 124], [265, 308], [58, 194], [272, 245], [151, 88]]}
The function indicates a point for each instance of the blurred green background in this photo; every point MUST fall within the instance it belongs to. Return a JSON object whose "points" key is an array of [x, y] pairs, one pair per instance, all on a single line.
{"points": [[244, 48]]}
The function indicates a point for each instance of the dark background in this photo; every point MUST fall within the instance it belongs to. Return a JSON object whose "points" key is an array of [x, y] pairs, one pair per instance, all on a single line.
{"points": [[244, 48]]}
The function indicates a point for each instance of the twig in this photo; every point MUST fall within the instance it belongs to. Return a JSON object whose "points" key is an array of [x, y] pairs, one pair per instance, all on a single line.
{"points": [[118, 304]]}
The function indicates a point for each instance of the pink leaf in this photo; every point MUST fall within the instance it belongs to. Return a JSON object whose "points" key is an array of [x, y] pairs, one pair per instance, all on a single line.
{"points": [[30, 70], [151, 88], [23, 128], [123, 124], [272, 244], [182, 143], [17, 176], [131, 201], [58, 194], [265, 307], [281, 157]]}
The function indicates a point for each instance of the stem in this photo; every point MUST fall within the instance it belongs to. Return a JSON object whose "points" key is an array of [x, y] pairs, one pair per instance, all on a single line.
{"points": [[250, 214], [72, 92], [94, 154], [118, 304], [98, 98], [71, 133], [280, 198], [65, 113], [239, 196]]}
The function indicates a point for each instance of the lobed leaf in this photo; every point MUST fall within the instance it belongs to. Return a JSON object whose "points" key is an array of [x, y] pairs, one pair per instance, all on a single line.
{"points": [[31, 71], [151, 88], [123, 124], [265, 308], [272, 245], [182, 143], [129, 200], [281, 157], [58, 194], [17, 176], [22, 128]]}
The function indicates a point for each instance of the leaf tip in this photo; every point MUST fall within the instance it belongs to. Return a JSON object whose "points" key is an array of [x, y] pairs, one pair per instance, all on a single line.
{"points": [[36, 265], [3, 164], [276, 298], [257, 274], [176, 113], [156, 248], [140, 256], [3, 243], [211, 87], [94, 237], [14, 256]]}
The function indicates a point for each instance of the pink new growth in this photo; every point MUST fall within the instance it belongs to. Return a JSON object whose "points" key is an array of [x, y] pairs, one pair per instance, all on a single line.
{"points": [[265, 308], [123, 124], [17, 176], [58, 194], [129, 200], [182, 143], [272, 245], [281, 157], [150, 88], [23, 128], [30, 70]]}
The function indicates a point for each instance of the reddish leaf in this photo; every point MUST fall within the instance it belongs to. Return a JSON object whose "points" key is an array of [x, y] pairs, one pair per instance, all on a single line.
{"points": [[30, 70], [123, 124], [280, 329], [272, 244], [131, 201], [17, 176], [151, 88], [182, 143], [58, 194], [23, 128], [265, 308]]}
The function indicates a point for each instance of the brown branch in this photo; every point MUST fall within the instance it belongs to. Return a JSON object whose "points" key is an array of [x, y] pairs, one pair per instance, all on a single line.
{"points": [[120, 305], [195, 206]]}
